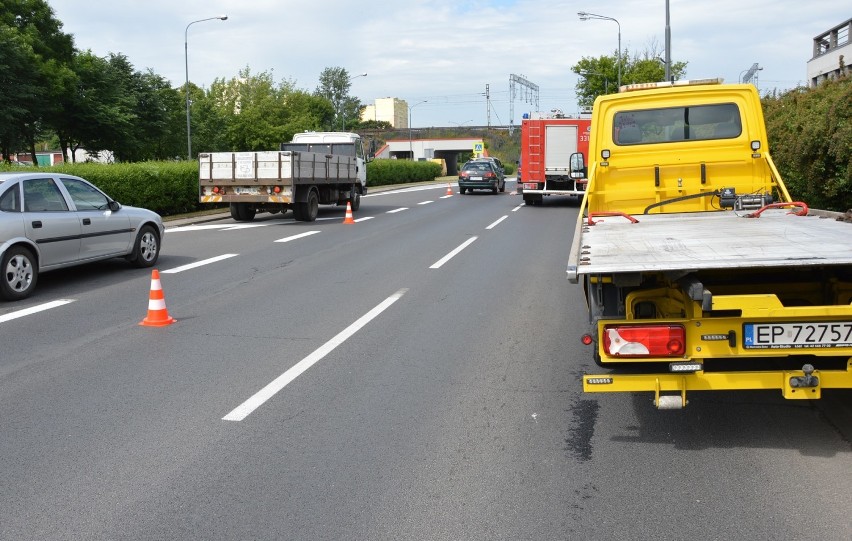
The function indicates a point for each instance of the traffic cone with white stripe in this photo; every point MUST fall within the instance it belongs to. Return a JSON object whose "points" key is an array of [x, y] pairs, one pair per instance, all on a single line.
{"points": [[449, 189], [157, 316], [349, 219]]}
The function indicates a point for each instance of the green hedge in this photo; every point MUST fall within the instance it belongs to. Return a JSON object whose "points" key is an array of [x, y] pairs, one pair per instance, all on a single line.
{"points": [[385, 172], [167, 188]]}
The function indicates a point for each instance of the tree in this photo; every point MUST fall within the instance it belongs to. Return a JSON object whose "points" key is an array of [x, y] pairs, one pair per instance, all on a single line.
{"points": [[334, 84], [599, 76], [34, 34], [18, 84]]}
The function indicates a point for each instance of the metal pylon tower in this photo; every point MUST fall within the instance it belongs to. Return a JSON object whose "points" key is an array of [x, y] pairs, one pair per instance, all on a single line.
{"points": [[528, 93]]}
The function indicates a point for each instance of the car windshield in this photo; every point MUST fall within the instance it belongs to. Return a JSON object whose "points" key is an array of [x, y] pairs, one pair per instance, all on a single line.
{"points": [[477, 167]]}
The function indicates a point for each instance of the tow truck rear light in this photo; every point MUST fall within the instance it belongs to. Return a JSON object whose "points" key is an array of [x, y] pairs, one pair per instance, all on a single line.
{"points": [[644, 340]]}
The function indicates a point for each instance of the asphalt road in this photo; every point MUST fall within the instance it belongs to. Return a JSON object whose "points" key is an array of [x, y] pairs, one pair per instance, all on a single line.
{"points": [[415, 375]]}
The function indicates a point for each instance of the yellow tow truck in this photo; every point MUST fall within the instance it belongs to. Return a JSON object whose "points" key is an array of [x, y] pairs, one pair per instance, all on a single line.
{"points": [[700, 272]]}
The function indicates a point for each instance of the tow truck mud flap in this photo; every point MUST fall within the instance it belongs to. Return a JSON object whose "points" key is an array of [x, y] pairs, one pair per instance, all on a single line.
{"points": [[670, 389]]}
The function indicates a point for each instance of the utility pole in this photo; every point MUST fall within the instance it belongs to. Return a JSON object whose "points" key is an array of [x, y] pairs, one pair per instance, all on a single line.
{"points": [[668, 45], [488, 104], [530, 95]]}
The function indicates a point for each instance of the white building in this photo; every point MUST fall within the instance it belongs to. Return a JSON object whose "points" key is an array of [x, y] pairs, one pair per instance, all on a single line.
{"points": [[831, 50], [391, 110]]}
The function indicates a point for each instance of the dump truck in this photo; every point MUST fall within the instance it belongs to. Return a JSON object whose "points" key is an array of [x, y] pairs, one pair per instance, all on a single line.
{"points": [[547, 143], [700, 271], [314, 168]]}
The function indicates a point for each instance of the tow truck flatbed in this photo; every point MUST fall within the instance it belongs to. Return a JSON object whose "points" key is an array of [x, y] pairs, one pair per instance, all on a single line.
{"points": [[702, 240]]}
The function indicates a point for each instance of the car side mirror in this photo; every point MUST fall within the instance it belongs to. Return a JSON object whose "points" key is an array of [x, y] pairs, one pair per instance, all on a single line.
{"points": [[114, 206], [577, 163]]}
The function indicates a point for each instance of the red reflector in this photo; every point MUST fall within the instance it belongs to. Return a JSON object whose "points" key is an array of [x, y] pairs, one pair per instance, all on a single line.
{"points": [[215, 189], [587, 339], [277, 189], [644, 340]]}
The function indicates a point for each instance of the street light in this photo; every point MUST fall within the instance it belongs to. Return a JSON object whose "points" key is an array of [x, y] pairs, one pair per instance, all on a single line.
{"points": [[410, 144], [342, 108], [186, 58], [587, 16]]}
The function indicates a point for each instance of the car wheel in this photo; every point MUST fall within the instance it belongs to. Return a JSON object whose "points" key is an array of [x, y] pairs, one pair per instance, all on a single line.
{"points": [[503, 187], [242, 212], [494, 189], [355, 203], [309, 209], [19, 274], [462, 190], [146, 248]]}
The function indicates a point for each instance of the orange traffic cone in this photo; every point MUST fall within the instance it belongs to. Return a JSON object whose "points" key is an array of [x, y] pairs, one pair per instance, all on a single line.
{"points": [[449, 189], [157, 316], [348, 219]]}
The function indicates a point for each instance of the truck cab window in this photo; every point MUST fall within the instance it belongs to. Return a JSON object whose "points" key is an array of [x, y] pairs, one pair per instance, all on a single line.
{"points": [[675, 124]]}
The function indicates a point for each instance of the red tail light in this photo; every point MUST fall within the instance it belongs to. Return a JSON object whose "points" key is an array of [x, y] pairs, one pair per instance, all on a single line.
{"points": [[644, 340], [215, 189], [489, 175]]}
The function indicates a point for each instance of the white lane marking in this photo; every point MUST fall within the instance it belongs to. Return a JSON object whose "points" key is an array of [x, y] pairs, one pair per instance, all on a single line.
{"points": [[299, 236], [518, 207], [404, 190], [246, 408], [244, 226], [394, 211], [425, 202], [198, 263], [364, 219], [446, 196], [492, 226], [454, 253], [197, 227], [34, 309]]}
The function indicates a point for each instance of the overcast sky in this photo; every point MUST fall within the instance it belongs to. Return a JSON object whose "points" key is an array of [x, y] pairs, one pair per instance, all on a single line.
{"points": [[447, 51]]}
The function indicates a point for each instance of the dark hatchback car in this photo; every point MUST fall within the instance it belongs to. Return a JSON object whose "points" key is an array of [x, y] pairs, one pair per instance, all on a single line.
{"points": [[481, 175]]}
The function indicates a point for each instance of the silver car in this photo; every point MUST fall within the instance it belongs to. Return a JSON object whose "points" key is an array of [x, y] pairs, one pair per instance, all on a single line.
{"points": [[50, 221]]}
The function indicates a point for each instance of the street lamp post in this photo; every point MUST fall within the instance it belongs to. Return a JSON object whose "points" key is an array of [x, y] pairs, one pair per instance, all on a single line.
{"points": [[186, 88], [342, 108], [410, 144], [587, 16]]}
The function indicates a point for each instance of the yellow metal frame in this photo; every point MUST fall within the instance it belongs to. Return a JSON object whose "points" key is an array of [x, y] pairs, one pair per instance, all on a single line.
{"points": [[720, 381]]}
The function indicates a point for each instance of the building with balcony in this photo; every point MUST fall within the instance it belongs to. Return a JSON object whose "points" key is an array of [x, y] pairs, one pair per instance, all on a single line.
{"points": [[831, 54]]}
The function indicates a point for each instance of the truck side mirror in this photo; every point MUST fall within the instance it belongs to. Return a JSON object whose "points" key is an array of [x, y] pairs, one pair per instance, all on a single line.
{"points": [[578, 165]]}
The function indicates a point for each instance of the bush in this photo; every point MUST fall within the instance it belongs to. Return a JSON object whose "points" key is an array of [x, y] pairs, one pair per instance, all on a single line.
{"points": [[809, 132], [385, 172], [164, 187]]}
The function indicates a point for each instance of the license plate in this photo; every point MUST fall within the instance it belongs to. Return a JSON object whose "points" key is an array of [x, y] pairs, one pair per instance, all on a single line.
{"points": [[246, 191], [475, 178], [530, 186], [829, 334]]}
